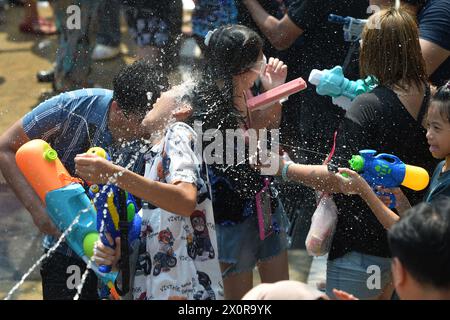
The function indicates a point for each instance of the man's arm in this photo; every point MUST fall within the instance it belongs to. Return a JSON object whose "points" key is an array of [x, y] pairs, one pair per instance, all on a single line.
{"points": [[10, 142], [280, 33], [433, 55]]}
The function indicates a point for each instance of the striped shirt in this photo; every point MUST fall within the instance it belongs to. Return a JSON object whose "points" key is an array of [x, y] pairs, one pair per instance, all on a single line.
{"points": [[71, 123]]}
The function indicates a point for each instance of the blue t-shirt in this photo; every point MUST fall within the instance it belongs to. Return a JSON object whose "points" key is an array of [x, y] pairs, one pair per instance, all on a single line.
{"points": [[434, 25], [439, 184], [71, 123]]}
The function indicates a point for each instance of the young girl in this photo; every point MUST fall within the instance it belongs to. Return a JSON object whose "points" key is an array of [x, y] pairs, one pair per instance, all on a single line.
{"points": [[438, 136], [234, 62], [178, 247]]}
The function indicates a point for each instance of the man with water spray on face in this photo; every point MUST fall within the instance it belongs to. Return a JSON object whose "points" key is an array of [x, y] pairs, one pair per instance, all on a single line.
{"points": [[72, 122]]}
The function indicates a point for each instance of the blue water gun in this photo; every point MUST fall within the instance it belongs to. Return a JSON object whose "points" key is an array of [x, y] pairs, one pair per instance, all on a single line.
{"points": [[108, 207], [352, 27], [333, 83], [65, 201], [388, 171]]}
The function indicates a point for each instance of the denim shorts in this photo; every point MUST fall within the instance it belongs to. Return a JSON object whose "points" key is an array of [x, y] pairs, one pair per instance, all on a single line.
{"points": [[241, 246], [364, 276]]}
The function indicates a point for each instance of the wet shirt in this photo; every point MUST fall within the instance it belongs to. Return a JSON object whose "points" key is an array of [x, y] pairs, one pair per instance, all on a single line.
{"points": [[434, 26], [439, 184], [178, 255], [378, 121]]}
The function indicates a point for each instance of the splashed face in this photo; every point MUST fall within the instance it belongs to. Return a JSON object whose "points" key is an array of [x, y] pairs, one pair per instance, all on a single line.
{"points": [[168, 108]]}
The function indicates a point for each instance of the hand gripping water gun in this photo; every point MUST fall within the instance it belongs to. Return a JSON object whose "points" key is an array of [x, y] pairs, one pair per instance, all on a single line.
{"points": [[352, 27], [108, 207], [282, 92], [333, 83], [388, 171], [64, 198]]}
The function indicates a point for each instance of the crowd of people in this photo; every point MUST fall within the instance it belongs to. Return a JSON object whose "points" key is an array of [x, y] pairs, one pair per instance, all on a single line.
{"points": [[182, 196]]}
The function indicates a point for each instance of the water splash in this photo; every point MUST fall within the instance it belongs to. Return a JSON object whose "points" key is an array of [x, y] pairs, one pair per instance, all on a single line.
{"points": [[46, 255]]}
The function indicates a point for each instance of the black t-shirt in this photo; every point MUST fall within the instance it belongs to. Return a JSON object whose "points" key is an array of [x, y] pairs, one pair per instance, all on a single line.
{"points": [[434, 25], [309, 120], [322, 44], [379, 121]]}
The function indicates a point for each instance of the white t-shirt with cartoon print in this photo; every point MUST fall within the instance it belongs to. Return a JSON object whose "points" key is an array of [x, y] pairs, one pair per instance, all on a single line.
{"points": [[178, 255]]}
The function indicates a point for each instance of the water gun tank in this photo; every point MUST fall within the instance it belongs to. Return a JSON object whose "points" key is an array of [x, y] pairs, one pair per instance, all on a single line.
{"points": [[41, 167], [416, 178]]}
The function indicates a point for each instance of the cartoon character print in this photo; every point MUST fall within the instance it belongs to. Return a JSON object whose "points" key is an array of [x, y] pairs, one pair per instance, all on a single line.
{"points": [[199, 243], [144, 263], [164, 259], [142, 296], [163, 166], [208, 293]]}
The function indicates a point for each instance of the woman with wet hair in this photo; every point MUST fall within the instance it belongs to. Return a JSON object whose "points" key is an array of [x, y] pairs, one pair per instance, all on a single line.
{"points": [[234, 63]]}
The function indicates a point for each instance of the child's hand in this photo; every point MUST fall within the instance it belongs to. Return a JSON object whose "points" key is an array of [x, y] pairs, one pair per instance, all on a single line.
{"points": [[95, 169], [274, 75], [107, 256], [401, 201], [353, 183]]}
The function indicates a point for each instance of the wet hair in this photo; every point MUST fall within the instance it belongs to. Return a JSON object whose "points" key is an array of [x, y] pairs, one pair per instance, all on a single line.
{"points": [[421, 241], [441, 101], [137, 86], [231, 50], [391, 51]]}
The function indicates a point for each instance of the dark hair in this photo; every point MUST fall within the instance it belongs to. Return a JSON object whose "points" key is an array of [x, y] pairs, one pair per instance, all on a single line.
{"points": [[231, 50], [391, 52], [421, 241], [441, 100], [137, 86]]}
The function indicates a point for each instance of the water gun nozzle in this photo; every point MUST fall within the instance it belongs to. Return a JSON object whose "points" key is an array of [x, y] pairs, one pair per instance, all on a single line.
{"points": [[356, 163]]}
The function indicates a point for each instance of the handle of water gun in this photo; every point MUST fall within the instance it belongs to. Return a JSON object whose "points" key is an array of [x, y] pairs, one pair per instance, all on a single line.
{"points": [[391, 158], [104, 239], [353, 29]]}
